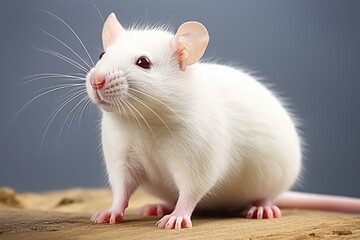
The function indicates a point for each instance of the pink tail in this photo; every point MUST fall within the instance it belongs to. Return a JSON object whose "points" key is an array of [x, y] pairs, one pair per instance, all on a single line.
{"points": [[317, 202]]}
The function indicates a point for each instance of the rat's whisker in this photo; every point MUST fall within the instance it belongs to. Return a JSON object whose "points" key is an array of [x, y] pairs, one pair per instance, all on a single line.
{"points": [[63, 77], [156, 99], [142, 117], [97, 48], [50, 90], [65, 85], [125, 107], [74, 108], [68, 47], [72, 30], [83, 107], [78, 114], [102, 17], [130, 107], [64, 58], [71, 92], [151, 110], [120, 107], [81, 76], [58, 110], [50, 73]]}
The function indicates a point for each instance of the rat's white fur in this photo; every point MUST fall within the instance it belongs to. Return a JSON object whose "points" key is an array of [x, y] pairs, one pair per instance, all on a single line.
{"points": [[211, 132], [211, 137]]}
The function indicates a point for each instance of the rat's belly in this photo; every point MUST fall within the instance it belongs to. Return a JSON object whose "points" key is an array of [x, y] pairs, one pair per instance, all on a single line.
{"points": [[236, 190]]}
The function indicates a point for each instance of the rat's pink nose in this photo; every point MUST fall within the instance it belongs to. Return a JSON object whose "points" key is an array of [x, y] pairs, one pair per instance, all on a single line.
{"points": [[97, 81]]}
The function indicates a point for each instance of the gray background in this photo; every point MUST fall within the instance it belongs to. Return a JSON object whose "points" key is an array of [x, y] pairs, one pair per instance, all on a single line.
{"points": [[309, 50]]}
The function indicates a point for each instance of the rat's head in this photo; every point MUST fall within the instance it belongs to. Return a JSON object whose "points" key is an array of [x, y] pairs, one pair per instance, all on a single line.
{"points": [[140, 66]]}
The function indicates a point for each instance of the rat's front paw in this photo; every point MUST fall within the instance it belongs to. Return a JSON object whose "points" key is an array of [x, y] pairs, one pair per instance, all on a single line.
{"points": [[174, 222], [109, 216]]}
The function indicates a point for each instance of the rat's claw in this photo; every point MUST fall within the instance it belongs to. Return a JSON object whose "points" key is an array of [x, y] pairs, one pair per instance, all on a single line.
{"points": [[251, 212], [161, 223], [170, 223]]}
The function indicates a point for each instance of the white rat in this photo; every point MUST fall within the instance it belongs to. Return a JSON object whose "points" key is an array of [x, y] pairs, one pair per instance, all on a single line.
{"points": [[196, 135]]}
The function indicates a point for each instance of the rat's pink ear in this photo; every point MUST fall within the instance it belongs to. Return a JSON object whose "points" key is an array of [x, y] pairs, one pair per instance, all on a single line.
{"points": [[111, 30], [189, 43]]}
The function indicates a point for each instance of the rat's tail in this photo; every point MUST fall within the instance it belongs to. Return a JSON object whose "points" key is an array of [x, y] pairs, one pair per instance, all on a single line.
{"points": [[317, 202]]}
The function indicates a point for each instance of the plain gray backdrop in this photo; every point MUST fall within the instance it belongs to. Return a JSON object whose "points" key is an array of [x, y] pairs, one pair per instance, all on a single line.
{"points": [[308, 50]]}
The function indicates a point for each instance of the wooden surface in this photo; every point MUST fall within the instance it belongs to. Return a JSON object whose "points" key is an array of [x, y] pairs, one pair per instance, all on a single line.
{"points": [[65, 215]]}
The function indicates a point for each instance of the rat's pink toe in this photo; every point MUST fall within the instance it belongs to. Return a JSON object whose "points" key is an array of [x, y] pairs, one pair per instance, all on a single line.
{"points": [[162, 222], [95, 216], [111, 217], [276, 211], [261, 212], [251, 212], [171, 223], [174, 222], [268, 212]]}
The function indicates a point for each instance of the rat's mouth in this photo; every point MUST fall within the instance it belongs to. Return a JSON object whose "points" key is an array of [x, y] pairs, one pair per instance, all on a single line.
{"points": [[100, 99]]}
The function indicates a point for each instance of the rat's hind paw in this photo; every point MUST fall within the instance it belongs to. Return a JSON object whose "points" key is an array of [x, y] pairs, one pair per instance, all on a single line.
{"points": [[174, 222], [111, 217], [261, 212], [158, 210]]}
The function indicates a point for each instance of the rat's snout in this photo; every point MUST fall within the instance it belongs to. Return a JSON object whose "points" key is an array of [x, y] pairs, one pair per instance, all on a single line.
{"points": [[97, 81], [104, 87]]}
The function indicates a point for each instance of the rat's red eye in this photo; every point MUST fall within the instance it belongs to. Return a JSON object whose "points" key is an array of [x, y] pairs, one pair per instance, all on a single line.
{"points": [[143, 62], [101, 55]]}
